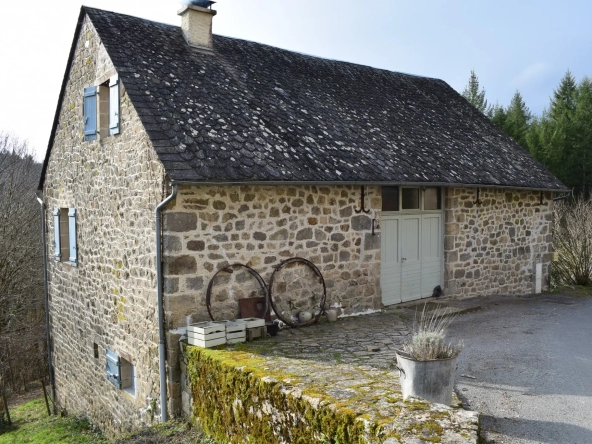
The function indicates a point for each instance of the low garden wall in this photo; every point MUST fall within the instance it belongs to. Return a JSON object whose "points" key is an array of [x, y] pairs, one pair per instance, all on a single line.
{"points": [[240, 397]]}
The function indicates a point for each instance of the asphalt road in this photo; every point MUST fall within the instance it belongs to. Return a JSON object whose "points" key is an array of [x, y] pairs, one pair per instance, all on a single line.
{"points": [[531, 360]]}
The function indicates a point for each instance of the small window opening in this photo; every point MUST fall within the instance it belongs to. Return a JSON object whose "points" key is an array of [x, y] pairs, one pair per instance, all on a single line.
{"points": [[121, 373], [432, 198], [390, 198], [410, 199], [96, 350], [64, 234], [128, 383]]}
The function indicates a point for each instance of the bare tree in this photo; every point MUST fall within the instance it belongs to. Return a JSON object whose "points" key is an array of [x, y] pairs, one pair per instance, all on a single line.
{"points": [[22, 344], [573, 242]]}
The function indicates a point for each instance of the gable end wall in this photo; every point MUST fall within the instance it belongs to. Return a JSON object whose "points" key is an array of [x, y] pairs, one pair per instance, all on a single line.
{"points": [[109, 299]]}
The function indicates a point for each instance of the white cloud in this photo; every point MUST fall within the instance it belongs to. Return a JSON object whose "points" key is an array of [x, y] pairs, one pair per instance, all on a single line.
{"points": [[531, 74]]}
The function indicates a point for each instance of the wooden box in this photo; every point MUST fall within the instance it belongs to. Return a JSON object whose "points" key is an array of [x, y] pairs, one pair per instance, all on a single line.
{"points": [[206, 334], [252, 322], [256, 333], [235, 331]]}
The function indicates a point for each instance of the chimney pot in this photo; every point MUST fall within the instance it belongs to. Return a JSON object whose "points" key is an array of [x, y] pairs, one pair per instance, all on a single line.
{"points": [[196, 23]]}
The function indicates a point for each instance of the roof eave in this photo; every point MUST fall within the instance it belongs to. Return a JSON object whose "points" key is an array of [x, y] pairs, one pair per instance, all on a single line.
{"points": [[366, 183]]}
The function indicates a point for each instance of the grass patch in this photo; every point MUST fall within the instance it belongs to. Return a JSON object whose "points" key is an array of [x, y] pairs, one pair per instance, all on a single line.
{"points": [[31, 424]]}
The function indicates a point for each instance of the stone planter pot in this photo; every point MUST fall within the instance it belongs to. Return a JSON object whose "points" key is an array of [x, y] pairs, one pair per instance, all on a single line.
{"points": [[430, 380], [331, 315], [304, 316]]}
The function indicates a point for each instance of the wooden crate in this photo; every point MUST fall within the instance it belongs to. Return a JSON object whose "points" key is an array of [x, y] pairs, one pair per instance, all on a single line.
{"points": [[207, 343], [235, 331], [252, 322], [256, 333], [206, 334], [206, 328]]}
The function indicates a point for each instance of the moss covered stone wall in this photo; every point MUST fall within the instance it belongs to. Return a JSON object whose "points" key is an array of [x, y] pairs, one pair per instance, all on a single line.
{"points": [[239, 397]]}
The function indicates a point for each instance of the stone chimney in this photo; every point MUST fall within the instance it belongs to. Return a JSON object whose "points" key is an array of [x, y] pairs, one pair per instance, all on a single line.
{"points": [[196, 23]]}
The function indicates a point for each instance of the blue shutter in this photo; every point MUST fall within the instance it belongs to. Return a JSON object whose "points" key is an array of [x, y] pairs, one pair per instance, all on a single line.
{"points": [[90, 113], [113, 369], [114, 105], [56, 234], [72, 233]]}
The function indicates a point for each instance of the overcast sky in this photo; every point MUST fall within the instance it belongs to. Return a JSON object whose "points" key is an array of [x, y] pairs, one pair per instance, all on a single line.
{"points": [[511, 44]]}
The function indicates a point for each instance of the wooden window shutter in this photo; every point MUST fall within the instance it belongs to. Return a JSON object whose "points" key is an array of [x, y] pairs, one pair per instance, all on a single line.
{"points": [[72, 235], [90, 113], [56, 234], [114, 105]]}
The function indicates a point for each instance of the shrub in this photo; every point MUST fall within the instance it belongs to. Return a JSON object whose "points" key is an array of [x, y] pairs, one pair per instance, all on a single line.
{"points": [[572, 241], [428, 341]]}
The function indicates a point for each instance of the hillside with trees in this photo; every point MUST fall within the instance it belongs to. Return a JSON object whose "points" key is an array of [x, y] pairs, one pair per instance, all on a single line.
{"points": [[22, 311], [560, 138]]}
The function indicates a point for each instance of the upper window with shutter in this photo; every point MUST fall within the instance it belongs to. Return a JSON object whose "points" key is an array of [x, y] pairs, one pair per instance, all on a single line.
{"points": [[64, 229], [90, 113], [102, 110], [114, 105]]}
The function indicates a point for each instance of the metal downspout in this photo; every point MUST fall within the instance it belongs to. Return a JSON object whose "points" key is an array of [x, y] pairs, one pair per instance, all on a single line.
{"points": [[46, 294], [161, 344]]}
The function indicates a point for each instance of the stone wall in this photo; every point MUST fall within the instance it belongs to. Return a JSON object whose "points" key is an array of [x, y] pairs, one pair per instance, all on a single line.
{"points": [[276, 400], [493, 247], [109, 299], [209, 228]]}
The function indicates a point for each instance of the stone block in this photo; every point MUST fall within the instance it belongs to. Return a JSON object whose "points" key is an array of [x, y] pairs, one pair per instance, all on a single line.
{"points": [[194, 283], [304, 234], [171, 244], [361, 223], [179, 265], [371, 242], [196, 245], [180, 222]]}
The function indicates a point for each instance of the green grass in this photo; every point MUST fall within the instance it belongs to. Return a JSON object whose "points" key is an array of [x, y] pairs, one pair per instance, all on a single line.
{"points": [[31, 424]]}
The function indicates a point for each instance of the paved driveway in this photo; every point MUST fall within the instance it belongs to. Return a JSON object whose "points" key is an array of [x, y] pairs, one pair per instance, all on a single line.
{"points": [[531, 359]]}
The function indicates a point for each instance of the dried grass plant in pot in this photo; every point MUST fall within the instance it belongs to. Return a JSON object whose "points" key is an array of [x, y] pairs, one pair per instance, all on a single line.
{"points": [[427, 362]]}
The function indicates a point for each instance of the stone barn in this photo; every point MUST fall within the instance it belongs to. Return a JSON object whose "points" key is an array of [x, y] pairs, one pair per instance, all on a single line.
{"points": [[175, 153]]}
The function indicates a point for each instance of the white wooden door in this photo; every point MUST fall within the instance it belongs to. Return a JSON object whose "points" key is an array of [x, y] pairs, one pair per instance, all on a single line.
{"points": [[411, 264], [431, 253], [390, 267], [411, 258]]}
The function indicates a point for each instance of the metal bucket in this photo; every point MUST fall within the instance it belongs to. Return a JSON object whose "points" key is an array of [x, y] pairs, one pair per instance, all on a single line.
{"points": [[430, 380]]}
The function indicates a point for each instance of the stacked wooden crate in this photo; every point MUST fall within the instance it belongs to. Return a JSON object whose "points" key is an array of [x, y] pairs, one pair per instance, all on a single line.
{"points": [[211, 334], [206, 334], [255, 328]]}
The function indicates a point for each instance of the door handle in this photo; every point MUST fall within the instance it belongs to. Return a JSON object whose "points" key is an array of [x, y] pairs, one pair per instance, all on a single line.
{"points": [[403, 258]]}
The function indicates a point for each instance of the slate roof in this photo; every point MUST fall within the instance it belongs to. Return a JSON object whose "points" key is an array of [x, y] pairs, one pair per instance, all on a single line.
{"points": [[252, 112]]}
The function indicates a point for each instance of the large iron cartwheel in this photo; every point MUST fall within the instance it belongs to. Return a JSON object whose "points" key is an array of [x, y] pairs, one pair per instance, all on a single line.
{"points": [[314, 268], [228, 269]]}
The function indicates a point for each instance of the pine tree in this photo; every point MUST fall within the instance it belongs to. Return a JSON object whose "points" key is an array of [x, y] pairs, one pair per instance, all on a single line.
{"points": [[497, 114], [517, 121], [473, 95], [583, 130], [560, 139]]}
